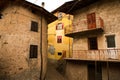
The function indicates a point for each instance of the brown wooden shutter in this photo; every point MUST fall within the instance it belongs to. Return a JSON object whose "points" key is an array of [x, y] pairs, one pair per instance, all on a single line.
{"points": [[33, 51], [91, 19], [34, 26]]}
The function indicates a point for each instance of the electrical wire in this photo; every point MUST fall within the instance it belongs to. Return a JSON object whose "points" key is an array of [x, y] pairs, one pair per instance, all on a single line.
{"points": [[73, 6]]}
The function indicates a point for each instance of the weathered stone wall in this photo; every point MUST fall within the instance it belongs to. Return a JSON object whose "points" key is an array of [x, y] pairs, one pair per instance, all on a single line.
{"points": [[109, 11], [113, 72], [76, 71], [15, 40]]}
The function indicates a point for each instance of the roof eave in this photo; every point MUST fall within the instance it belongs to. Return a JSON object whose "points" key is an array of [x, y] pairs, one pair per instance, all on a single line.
{"points": [[40, 10], [49, 16], [68, 7]]}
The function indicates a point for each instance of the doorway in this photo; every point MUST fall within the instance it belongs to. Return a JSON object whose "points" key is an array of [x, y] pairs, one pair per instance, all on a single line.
{"points": [[92, 43], [95, 71], [91, 20]]}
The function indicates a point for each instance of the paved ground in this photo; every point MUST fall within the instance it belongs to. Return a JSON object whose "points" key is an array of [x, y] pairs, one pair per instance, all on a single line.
{"points": [[52, 73]]}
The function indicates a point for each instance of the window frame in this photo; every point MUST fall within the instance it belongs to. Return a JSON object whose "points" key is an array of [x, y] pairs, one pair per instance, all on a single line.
{"points": [[33, 51], [59, 53], [59, 39], [60, 15], [1, 16], [59, 26], [34, 26], [110, 42]]}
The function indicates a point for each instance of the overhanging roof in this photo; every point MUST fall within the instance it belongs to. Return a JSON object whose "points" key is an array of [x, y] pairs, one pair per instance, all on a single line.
{"points": [[40, 10], [71, 6]]}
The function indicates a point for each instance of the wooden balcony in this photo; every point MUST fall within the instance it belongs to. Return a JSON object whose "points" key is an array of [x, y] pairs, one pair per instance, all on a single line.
{"points": [[81, 28], [97, 55]]}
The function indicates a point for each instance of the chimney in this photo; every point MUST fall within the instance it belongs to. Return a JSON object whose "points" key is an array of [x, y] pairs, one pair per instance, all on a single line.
{"points": [[43, 4]]}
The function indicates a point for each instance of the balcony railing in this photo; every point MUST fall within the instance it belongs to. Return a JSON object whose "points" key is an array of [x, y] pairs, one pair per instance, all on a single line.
{"points": [[82, 26], [102, 55]]}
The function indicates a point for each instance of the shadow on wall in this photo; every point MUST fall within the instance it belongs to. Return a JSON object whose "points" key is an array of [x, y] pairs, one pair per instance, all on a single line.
{"points": [[6, 73]]}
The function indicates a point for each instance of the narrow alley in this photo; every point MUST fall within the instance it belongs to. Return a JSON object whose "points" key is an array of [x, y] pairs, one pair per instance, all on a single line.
{"points": [[52, 72]]}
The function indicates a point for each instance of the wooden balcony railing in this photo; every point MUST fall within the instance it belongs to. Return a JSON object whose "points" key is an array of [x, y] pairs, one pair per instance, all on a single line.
{"points": [[82, 26], [102, 55]]}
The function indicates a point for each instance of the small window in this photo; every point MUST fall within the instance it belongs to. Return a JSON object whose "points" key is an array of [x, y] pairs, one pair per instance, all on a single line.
{"points": [[34, 26], [59, 39], [33, 51], [59, 53], [60, 15], [59, 26], [110, 41], [1, 16]]}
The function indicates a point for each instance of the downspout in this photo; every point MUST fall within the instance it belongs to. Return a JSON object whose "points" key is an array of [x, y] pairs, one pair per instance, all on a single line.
{"points": [[108, 70], [43, 4], [41, 68]]}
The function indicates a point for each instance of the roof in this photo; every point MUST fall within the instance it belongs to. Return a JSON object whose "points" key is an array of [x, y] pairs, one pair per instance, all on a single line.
{"points": [[71, 6], [38, 10]]}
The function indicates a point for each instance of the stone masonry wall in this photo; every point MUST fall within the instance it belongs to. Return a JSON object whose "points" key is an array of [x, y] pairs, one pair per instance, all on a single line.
{"points": [[109, 11], [76, 71], [15, 40]]}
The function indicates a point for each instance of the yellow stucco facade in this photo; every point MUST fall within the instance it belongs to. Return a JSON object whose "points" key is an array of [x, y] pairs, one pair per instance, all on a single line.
{"points": [[59, 46]]}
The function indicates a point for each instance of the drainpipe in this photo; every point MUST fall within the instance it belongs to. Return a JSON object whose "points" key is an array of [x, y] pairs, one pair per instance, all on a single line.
{"points": [[41, 62], [108, 69], [41, 56], [95, 70]]}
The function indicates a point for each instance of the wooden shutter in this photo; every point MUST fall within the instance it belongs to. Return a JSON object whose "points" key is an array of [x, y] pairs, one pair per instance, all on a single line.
{"points": [[34, 26], [33, 51], [91, 19], [59, 39]]}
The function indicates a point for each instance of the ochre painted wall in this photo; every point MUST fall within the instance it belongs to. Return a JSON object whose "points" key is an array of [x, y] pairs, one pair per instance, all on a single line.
{"points": [[66, 44]]}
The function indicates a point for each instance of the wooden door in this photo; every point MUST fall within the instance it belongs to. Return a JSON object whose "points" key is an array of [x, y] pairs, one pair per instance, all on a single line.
{"points": [[91, 20], [94, 71], [91, 72]]}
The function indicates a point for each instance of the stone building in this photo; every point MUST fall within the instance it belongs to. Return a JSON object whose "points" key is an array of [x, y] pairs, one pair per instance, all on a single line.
{"points": [[59, 45], [23, 40], [96, 35]]}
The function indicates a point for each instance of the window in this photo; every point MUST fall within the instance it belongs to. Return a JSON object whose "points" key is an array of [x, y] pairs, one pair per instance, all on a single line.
{"points": [[59, 39], [92, 43], [33, 51], [34, 26], [60, 15], [59, 53], [110, 41], [59, 26], [1, 16]]}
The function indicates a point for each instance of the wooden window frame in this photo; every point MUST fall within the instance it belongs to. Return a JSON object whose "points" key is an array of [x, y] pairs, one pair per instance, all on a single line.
{"points": [[110, 41], [34, 26], [59, 39], [33, 51], [59, 26]]}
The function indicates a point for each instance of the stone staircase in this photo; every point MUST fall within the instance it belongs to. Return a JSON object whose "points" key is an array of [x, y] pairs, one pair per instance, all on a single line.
{"points": [[52, 72]]}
